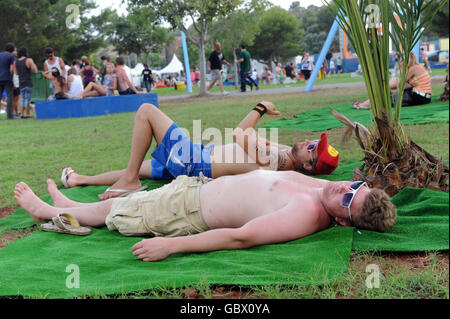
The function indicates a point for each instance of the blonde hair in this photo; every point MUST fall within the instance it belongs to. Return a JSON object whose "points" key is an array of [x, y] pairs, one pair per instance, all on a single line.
{"points": [[377, 213], [412, 59]]}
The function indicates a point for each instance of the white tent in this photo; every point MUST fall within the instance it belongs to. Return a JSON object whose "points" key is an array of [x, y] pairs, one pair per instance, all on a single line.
{"points": [[175, 66]]}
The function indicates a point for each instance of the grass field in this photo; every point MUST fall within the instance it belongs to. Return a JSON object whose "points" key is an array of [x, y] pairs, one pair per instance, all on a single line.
{"points": [[330, 79], [34, 150]]}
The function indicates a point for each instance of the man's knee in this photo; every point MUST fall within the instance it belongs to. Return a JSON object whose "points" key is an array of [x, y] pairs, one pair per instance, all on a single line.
{"points": [[146, 108]]}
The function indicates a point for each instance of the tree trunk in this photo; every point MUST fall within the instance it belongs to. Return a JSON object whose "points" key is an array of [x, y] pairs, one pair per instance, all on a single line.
{"points": [[415, 168], [236, 76], [391, 172]]}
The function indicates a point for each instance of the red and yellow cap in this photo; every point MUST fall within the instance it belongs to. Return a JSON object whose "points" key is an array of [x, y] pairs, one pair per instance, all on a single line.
{"points": [[327, 157]]}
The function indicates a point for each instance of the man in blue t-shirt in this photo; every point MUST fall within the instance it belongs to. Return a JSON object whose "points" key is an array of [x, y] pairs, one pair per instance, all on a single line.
{"points": [[7, 60]]}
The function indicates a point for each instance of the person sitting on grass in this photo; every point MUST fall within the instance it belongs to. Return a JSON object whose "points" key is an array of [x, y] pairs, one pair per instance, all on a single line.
{"points": [[125, 87], [197, 214], [59, 83], [309, 157], [74, 83], [417, 89], [108, 87]]}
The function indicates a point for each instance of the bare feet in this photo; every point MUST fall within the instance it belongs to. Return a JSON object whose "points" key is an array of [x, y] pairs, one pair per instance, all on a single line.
{"points": [[31, 203], [59, 199], [121, 184], [356, 105]]}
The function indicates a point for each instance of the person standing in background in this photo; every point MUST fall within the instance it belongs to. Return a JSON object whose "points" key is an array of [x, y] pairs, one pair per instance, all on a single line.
{"points": [[328, 58], [148, 79], [7, 60], [24, 67], [216, 58], [245, 66], [16, 90], [306, 66], [53, 62], [339, 65], [197, 77]]}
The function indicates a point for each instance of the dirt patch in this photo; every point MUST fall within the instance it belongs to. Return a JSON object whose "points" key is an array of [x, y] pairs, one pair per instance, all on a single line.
{"points": [[6, 211], [398, 261], [220, 292], [8, 238]]}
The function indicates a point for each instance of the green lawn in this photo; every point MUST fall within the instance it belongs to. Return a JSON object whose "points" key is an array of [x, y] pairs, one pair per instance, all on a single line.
{"points": [[330, 79], [34, 150]]}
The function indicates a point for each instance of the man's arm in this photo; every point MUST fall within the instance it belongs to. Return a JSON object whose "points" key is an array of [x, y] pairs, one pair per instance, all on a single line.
{"points": [[285, 224], [31, 65], [253, 117], [250, 121], [256, 147]]}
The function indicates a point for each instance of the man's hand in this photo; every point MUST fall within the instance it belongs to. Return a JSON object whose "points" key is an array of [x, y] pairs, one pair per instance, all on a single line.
{"points": [[270, 108], [152, 249]]}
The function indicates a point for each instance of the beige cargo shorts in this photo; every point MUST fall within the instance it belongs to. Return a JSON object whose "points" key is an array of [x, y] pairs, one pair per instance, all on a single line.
{"points": [[171, 210]]}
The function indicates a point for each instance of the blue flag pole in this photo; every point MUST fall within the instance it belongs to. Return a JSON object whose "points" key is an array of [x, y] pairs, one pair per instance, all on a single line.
{"points": [[186, 62], [322, 55]]}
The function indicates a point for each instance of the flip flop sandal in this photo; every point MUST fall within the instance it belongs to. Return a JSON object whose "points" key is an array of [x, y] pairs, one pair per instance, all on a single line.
{"points": [[65, 175], [66, 224], [125, 192]]}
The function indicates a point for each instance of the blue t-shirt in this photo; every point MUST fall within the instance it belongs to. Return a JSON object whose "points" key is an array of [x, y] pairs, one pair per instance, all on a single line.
{"points": [[6, 59]]}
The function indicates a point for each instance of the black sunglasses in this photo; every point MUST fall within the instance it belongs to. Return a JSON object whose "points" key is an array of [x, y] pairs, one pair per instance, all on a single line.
{"points": [[347, 198]]}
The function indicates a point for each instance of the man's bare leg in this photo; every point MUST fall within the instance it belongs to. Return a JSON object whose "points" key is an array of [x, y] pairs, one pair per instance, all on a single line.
{"points": [[211, 85], [362, 105], [108, 178], [59, 199], [149, 122], [221, 85], [92, 93], [88, 215]]}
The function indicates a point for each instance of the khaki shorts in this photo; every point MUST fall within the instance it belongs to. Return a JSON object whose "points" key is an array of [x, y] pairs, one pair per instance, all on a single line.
{"points": [[170, 211], [215, 75]]}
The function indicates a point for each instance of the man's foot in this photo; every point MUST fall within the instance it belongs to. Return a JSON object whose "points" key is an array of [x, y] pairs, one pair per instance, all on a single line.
{"points": [[225, 93], [30, 202], [72, 179], [59, 199], [356, 105], [122, 185]]}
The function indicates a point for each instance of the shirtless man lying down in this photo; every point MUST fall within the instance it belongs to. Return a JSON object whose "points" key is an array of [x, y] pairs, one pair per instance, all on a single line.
{"points": [[198, 214], [309, 157]]}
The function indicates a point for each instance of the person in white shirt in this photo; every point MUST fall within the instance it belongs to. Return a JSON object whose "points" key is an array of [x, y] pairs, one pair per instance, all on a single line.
{"points": [[74, 82]]}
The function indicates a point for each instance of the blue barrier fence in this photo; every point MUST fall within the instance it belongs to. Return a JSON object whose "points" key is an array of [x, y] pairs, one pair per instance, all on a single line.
{"points": [[93, 106]]}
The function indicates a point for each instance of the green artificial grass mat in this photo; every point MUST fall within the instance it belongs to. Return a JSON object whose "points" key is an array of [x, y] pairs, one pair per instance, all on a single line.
{"points": [[322, 119], [36, 266]]}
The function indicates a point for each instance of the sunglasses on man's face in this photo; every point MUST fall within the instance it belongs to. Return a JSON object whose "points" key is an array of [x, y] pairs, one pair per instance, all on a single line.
{"points": [[311, 147], [347, 198]]}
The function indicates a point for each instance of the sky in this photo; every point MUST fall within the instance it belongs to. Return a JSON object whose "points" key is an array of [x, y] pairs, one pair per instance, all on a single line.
{"points": [[121, 9]]}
